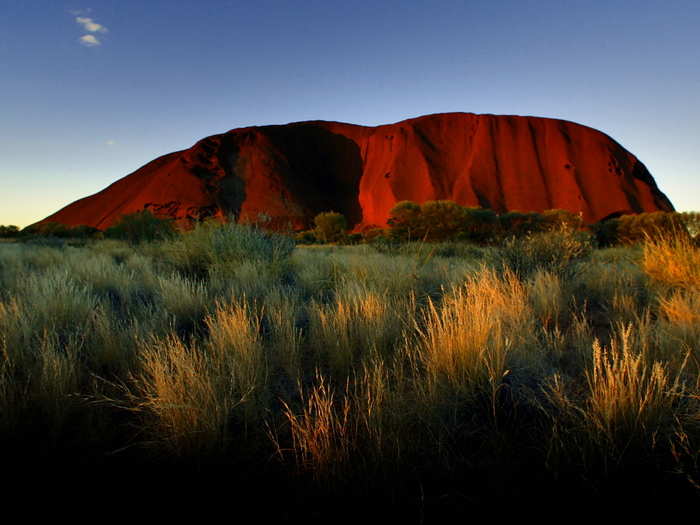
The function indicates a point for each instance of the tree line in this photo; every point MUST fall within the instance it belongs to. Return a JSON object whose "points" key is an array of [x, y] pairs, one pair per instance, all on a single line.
{"points": [[443, 220], [432, 221]]}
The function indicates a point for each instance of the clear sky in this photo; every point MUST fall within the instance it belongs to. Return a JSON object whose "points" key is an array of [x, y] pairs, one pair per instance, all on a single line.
{"points": [[90, 90]]}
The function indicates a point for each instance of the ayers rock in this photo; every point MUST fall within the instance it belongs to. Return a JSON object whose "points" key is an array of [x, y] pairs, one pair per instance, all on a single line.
{"points": [[292, 172]]}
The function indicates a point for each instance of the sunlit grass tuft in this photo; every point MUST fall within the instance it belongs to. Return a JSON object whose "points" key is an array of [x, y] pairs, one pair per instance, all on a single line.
{"points": [[185, 398], [480, 333], [631, 398], [321, 433], [673, 261], [236, 350]]}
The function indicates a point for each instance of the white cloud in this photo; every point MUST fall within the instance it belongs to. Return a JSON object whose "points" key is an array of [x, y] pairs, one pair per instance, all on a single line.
{"points": [[89, 41], [90, 25], [110, 142]]}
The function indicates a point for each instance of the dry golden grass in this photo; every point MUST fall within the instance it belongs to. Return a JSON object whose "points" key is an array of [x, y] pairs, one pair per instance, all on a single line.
{"points": [[349, 428], [184, 397], [682, 308], [630, 403], [464, 342], [357, 324], [235, 349], [673, 261], [630, 398], [321, 433], [679, 327]]}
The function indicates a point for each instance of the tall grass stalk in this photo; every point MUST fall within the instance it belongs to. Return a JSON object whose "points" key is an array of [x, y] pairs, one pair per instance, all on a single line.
{"points": [[630, 404], [236, 351], [673, 261], [628, 395], [282, 310], [321, 432], [547, 298], [464, 342], [357, 324], [184, 396]]}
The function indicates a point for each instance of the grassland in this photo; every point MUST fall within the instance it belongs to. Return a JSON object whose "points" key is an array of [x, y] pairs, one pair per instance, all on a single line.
{"points": [[431, 379]]}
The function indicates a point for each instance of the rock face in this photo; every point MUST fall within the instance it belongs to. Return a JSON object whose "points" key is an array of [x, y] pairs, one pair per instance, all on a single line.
{"points": [[292, 172]]}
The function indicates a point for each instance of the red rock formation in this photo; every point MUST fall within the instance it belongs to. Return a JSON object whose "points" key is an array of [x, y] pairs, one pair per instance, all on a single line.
{"points": [[294, 171]]}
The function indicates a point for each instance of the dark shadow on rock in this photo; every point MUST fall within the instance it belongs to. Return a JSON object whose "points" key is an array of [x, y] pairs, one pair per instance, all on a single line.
{"points": [[324, 168], [230, 193]]}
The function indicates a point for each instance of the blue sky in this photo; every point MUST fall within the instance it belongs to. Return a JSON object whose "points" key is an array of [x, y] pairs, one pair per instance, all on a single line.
{"points": [[91, 91]]}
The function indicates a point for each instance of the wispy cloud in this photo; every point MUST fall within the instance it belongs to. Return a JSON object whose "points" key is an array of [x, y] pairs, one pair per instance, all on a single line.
{"points": [[110, 142], [93, 29], [90, 25], [90, 40]]}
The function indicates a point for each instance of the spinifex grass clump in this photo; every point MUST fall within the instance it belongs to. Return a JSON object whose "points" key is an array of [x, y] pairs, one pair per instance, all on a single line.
{"points": [[679, 327], [673, 261], [465, 342], [213, 246], [235, 345], [673, 265], [630, 397], [184, 397], [356, 429], [628, 408], [554, 251], [358, 324], [322, 434]]}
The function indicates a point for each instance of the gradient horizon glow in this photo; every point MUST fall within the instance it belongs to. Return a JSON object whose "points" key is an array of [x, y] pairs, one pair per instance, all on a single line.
{"points": [[92, 91]]}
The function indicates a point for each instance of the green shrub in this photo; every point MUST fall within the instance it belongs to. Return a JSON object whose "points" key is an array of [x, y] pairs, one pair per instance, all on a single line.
{"points": [[405, 221], [442, 220], [636, 228], [445, 220], [9, 231], [480, 225], [354, 238], [56, 234], [605, 232], [306, 237], [552, 251], [85, 232], [519, 224], [141, 226], [330, 226], [632, 229], [553, 220], [239, 242], [372, 234], [211, 243]]}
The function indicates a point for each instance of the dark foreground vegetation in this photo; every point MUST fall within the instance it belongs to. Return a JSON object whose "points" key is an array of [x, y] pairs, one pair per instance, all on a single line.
{"points": [[429, 379]]}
